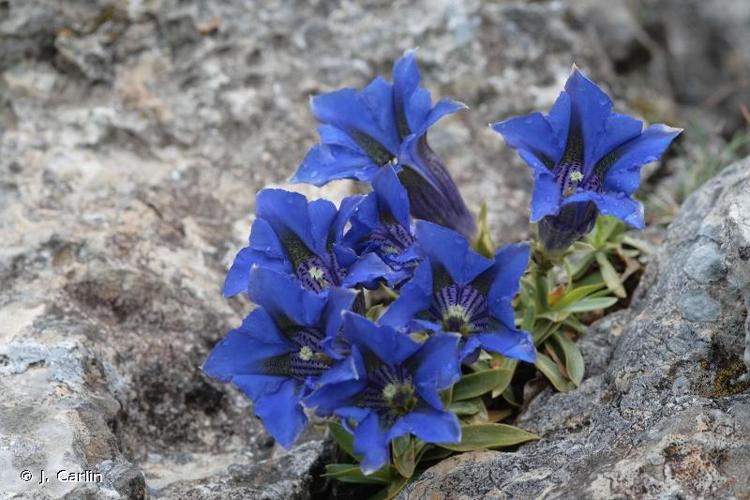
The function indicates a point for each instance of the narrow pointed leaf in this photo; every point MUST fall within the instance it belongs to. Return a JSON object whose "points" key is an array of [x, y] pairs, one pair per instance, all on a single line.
{"points": [[576, 294], [479, 383], [481, 436], [351, 473], [571, 355], [610, 275], [550, 370], [342, 438], [592, 304]]}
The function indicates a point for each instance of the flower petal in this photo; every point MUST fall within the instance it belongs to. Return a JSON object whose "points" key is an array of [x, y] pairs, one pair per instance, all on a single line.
{"points": [[450, 250], [429, 425], [386, 343], [326, 163], [415, 296], [368, 270], [617, 205], [515, 344], [591, 108], [623, 176], [618, 130], [281, 412], [286, 212], [369, 111], [284, 297], [391, 196], [371, 441], [436, 366], [243, 350]]}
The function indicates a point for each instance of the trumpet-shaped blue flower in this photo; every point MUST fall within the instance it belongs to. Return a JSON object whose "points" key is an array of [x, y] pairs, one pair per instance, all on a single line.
{"points": [[457, 290], [386, 124], [398, 395], [303, 239], [586, 160], [380, 224], [276, 356]]}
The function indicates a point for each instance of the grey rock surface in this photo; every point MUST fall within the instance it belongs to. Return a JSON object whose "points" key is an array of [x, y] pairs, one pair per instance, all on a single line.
{"points": [[133, 137], [664, 411]]}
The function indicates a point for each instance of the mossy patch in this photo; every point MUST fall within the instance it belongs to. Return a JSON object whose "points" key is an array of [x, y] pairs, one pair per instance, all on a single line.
{"points": [[728, 377]]}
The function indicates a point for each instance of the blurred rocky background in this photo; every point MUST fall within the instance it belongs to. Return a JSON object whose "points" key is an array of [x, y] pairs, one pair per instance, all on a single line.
{"points": [[134, 135]]}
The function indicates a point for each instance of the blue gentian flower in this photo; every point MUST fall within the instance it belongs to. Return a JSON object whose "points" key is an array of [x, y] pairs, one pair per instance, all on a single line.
{"points": [[380, 224], [386, 124], [303, 239], [276, 356], [399, 394], [586, 160], [457, 290]]}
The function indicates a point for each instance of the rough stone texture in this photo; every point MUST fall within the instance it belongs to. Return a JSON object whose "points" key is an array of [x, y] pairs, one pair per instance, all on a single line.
{"points": [[664, 411], [133, 136]]}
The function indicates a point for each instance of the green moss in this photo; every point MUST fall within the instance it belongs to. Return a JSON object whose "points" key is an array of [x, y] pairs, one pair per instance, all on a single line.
{"points": [[726, 380]]}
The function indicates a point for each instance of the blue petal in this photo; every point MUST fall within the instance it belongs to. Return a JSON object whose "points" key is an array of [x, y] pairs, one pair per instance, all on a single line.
{"points": [[281, 412], [238, 275], [386, 343], [450, 250], [244, 349], [510, 265], [364, 219], [515, 344], [323, 213], [415, 102], [349, 369], [368, 270], [429, 425], [545, 199], [325, 163], [347, 208], [624, 174], [437, 366], [369, 111], [285, 297], [339, 300], [592, 107], [618, 130], [415, 296], [617, 205], [391, 195], [371, 442], [534, 134], [286, 212], [332, 397]]}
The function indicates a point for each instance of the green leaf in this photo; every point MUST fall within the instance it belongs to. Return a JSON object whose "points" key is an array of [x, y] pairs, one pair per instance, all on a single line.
{"points": [[351, 473], [467, 407], [391, 491], [575, 295], [342, 438], [550, 370], [436, 453], [595, 304], [480, 436], [611, 278], [405, 455], [479, 383], [643, 246], [510, 397], [484, 245], [571, 354], [576, 325]]}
